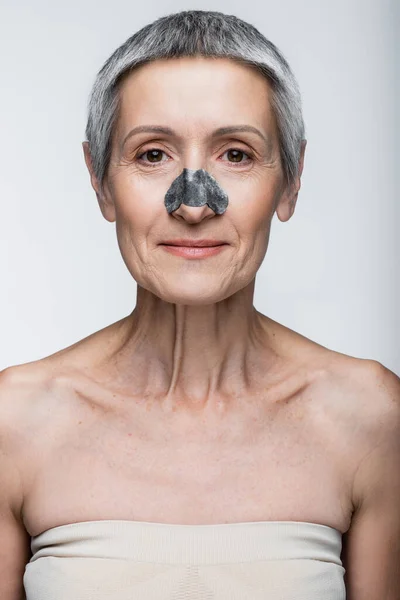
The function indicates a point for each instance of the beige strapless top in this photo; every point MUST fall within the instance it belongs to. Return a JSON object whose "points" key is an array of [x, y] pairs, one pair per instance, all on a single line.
{"points": [[136, 560]]}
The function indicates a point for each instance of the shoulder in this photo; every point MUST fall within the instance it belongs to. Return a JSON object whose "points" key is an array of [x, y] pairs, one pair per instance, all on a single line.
{"points": [[16, 394], [37, 407], [371, 552], [26, 391], [361, 400], [382, 387], [381, 404], [366, 399], [17, 384], [378, 471], [366, 390], [20, 387], [375, 390], [30, 391], [32, 419], [23, 380], [363, 385]]}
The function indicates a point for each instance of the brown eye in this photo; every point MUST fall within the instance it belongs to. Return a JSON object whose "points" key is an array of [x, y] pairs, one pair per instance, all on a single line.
{"points": [[152, 155], [235, 155]]}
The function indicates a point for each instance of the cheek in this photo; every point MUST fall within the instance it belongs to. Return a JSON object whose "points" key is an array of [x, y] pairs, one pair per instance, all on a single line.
{"points": [[138, 200], [253, 208]]}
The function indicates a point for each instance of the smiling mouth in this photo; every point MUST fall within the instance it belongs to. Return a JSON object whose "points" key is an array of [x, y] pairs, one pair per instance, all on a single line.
{"points": [[188, 243], [191, 252], [192, 246]]}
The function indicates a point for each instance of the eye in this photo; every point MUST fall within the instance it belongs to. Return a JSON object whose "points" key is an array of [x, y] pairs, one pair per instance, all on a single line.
{"points": [[153, 154], [236, 154]]}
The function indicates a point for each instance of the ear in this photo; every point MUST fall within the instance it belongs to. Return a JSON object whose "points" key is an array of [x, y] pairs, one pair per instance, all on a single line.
{"points": [[287, 202], [102, 192]]}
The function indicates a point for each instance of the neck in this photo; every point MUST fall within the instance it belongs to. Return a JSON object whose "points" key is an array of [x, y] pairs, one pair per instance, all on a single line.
{"points": [[194, 356]]}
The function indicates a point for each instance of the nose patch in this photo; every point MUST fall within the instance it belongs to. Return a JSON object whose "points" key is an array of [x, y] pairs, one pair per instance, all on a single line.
{"points": [[196, 188]]}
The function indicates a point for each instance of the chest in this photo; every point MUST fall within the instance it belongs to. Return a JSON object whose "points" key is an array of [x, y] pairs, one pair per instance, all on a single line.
{"points": [[265, 469]]}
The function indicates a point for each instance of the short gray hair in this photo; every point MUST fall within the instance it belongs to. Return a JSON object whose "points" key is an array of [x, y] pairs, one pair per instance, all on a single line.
{"points": [[196, 33]]}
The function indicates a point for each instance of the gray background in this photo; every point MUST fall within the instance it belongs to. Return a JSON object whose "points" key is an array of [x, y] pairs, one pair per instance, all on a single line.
{"points": [[331, 273]]}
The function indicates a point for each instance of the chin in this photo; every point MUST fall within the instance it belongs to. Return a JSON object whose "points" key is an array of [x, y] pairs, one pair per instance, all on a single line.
{"points": [[195, 296]]}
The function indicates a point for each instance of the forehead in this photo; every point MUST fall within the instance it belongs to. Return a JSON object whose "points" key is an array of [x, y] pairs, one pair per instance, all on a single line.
{"points": [[201, 90]]}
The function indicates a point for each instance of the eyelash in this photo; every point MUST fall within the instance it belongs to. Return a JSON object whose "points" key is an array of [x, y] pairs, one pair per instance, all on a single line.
{"points": [[152, 165]]}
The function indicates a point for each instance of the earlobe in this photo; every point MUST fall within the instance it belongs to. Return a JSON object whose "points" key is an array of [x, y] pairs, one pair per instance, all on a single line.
{"points": [[287, 203], [285, 208], [106, 204]]}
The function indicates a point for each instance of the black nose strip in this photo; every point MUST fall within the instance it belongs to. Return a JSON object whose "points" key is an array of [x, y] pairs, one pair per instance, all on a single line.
{"points": [[196, 188]]}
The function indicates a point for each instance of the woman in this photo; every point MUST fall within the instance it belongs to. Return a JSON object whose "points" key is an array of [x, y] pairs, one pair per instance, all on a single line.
{"points": [[197, 448]]}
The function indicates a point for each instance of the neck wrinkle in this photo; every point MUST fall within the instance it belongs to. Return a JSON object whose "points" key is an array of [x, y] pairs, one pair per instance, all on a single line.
{"points": [[186, 355]]}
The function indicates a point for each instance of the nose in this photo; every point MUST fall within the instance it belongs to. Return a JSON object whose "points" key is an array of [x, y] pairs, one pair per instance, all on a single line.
{"points": [[195, 195], [193, 214]]}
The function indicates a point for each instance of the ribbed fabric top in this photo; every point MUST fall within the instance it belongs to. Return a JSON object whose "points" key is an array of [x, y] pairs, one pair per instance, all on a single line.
{"points": [[190, 544], [113, 559]]}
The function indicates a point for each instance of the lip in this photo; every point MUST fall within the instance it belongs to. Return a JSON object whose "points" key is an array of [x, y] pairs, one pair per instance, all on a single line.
{"points": [[188, 243], [194, 251]]}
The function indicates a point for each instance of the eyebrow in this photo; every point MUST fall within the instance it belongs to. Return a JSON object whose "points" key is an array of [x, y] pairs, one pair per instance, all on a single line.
{"points": [[214, 134]]}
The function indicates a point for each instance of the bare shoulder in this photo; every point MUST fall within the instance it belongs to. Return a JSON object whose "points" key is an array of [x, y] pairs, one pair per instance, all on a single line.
{"points": [[363, 397], [15, 393], [373, 388], [371, 549], [19, 387], [379, 464], [363, 389], [382, 387], [15, 547], [22, 388], [9, 440]]}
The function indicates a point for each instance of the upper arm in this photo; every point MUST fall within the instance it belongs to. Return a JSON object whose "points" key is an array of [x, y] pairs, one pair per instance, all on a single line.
{"points": [[371, 549], [14, 539]]}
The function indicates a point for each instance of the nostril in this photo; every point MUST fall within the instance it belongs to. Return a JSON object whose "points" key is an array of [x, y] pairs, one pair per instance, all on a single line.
{"points": [[194, 213]]}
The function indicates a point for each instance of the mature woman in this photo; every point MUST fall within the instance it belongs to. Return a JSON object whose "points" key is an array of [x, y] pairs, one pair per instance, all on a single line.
{"points": [[197, 449]]}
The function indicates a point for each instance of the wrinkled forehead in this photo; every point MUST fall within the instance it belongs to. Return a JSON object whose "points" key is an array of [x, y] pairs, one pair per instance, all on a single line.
{"points": [[194, 96]]}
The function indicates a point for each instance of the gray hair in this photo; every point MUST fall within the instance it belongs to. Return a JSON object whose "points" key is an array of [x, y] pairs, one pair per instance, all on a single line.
{"points": [[196, 33]]}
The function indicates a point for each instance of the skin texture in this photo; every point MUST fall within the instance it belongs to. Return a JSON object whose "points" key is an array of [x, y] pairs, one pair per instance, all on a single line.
{"points": [[194, 338]]}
